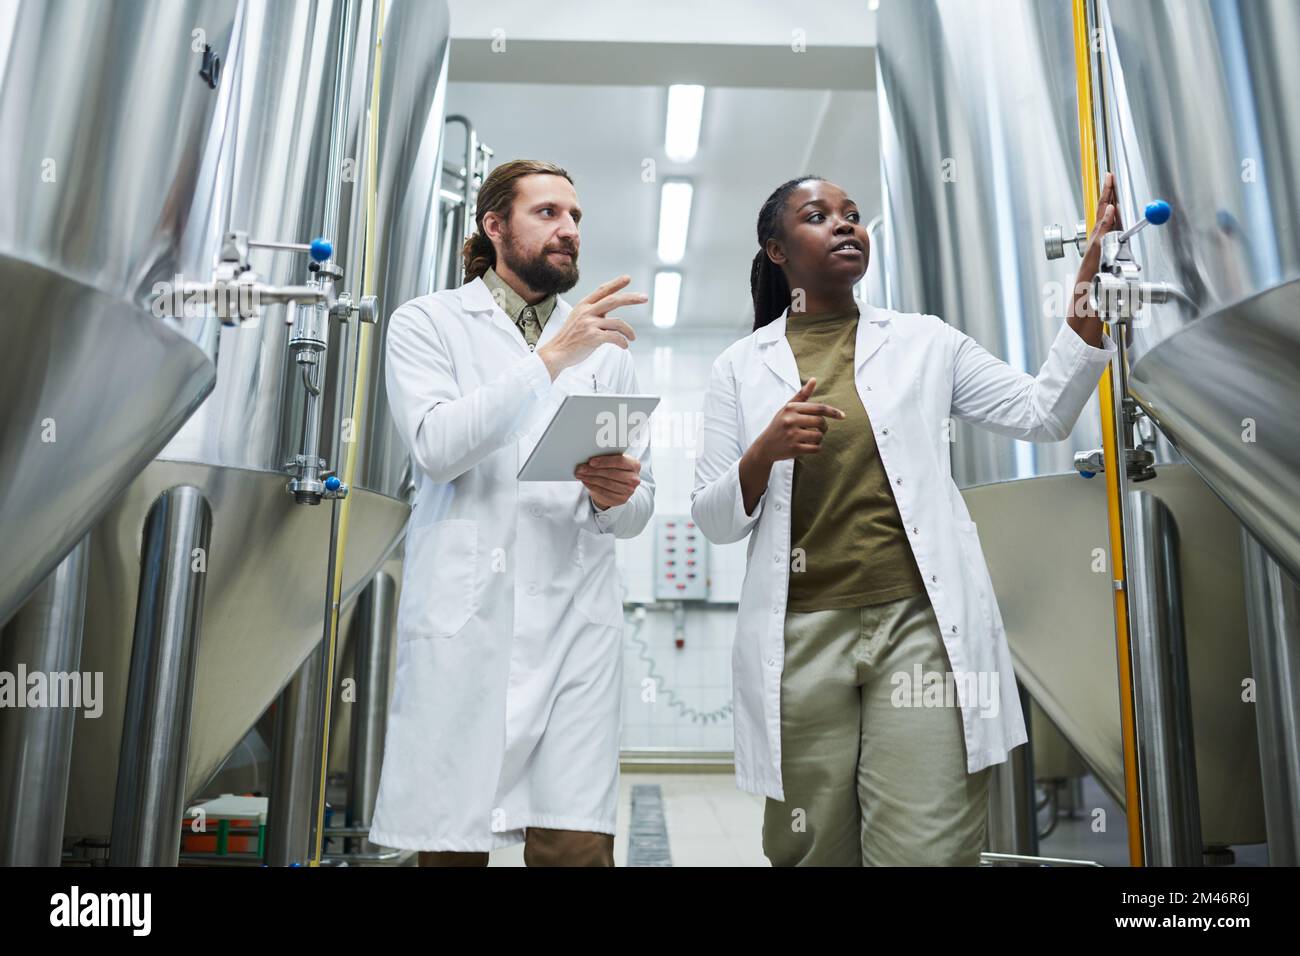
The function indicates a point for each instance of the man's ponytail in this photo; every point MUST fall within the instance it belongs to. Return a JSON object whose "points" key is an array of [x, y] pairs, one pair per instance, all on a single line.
{"points": [[478, 256]]}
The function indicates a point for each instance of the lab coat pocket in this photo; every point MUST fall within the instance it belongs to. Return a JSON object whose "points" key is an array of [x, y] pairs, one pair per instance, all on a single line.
{"points": [[580, 381], [977, 573], [441, 587], [598, 596]]}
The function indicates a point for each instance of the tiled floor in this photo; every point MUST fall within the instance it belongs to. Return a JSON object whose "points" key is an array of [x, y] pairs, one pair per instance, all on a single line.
{"points": [[711, 822]]}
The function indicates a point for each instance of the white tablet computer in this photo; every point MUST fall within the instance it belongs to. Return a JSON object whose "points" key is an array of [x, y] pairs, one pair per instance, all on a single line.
{"points": [[585, 426]]}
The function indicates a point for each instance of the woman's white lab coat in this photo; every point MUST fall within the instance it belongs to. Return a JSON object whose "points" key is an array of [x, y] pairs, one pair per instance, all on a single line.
{"points": [[506, 704], [914, 374]]}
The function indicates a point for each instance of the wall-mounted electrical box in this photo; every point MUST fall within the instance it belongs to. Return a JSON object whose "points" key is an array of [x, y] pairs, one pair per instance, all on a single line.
{"points": [[681, 560]]}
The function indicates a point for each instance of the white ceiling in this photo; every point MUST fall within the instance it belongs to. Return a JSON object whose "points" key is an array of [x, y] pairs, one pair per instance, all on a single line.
{"points": [[822, 22], [752, 139]]}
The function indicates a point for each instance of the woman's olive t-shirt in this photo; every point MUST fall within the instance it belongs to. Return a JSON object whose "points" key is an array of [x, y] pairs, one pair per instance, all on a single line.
{"points": [[849, 547]]}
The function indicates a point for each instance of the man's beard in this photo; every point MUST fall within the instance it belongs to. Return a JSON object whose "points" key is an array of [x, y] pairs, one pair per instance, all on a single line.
{"points": [[540, 273]]}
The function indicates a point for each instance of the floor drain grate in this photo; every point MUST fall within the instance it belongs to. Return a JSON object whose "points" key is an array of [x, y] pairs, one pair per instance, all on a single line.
{"points": [[647, 840]]}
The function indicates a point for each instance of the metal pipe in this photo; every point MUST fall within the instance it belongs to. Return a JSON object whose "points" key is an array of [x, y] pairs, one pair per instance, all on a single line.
{"points": [[385, 856], [324, 685], [293, 756], [341, 512], [311, 338], [469, 171], [1273, 615], [149, 805], [1087, 82], [1035, 860], [877, 278], [339, 123], [36, 742], [345, 380], [1012, 816], [1171, 818], [343, 355], [464, 208], [372, 643], [221, 859]]}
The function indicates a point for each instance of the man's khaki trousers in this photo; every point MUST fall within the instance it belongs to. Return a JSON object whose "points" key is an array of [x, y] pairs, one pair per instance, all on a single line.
{"points": [[542, 847]]}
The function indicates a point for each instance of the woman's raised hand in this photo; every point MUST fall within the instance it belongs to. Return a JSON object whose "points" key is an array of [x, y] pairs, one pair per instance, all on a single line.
{"points": [[797, 428]]}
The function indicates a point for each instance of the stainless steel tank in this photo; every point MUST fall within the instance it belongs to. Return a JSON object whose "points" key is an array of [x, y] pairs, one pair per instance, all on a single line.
{"points": [[104, 108], [977, 157], [1204, 112], [267, 566]]}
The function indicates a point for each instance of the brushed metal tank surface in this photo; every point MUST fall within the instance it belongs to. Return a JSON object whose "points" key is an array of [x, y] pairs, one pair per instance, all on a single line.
{"points": [[1218, 373], [102, 119], [975, 161], [271, 161], [77, 426], [267, 566], [1226, 389], [412, 106], [1057, 611], [271, 158], [261, 615]]}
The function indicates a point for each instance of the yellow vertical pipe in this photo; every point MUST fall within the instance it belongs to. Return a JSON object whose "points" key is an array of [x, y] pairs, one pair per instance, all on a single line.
{"points": [[1113, 454], [364, 334]]}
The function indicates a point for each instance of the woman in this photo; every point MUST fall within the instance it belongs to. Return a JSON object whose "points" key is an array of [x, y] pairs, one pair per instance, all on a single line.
{"points": [[872, 676]]}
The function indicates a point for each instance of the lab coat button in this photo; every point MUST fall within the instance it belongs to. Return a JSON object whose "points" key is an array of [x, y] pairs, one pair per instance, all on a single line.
{"points": [[934, 577], [537, 511], [898, 481], [884, 431], [914, 531], [954, 628]]}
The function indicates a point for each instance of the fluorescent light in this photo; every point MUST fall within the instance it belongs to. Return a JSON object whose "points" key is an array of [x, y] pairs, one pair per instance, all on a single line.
{"points": [[668, 291], [674, 219], [682, 129]]}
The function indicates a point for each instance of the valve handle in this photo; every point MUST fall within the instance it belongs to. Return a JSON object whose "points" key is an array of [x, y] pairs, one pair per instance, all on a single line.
{"points": [[1158, 212], [321, 249]]}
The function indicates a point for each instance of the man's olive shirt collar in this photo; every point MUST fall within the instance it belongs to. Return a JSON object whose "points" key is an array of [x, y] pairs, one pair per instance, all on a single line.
{"points": [[512, 304]]}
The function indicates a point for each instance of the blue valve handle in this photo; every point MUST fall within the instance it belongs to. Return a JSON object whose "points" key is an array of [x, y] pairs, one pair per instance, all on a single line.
{"points": [[333, 483], [1087, 474], [1158, 212], [321, 249]]}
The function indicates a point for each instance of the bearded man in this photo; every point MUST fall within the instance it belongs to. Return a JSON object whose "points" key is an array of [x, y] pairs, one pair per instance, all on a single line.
{"points": [[504, 721]]}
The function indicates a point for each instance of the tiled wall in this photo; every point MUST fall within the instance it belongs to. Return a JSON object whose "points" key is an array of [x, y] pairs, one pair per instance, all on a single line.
{"points": [[679, 698]]}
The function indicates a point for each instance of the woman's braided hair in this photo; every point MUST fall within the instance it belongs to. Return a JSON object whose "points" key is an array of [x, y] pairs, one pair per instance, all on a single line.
{"points": [[497, 194], [767, 282]]}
